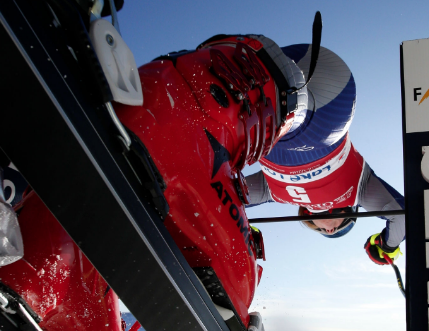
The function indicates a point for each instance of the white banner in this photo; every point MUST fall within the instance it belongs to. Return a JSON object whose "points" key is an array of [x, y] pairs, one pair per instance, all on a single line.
{"points": [[416, 84]]}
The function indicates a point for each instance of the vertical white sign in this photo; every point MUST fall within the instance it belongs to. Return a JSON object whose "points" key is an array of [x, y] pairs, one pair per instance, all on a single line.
{"points": [[416, 84]]}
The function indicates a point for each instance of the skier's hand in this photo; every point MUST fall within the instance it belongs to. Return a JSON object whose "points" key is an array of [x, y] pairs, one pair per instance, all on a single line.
{"points": [[376, 248]]}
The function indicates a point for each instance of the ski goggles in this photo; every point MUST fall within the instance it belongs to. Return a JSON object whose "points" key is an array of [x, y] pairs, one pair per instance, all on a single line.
{"points": [[343, 229], [346, 225]]}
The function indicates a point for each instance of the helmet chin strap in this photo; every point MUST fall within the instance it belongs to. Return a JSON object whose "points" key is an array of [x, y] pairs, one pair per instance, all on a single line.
{"points": [[292, 96], [315, 49]]}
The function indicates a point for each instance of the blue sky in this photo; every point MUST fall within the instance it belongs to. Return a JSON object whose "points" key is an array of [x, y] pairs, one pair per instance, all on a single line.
{"points": [[309, 282]]}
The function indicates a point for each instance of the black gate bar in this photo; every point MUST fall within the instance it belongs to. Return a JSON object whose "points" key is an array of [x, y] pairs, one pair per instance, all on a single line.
{"points": [[325, 216]]}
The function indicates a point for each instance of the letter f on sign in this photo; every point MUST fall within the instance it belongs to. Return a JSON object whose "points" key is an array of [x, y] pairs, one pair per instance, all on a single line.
{"points": [[417, 92]]}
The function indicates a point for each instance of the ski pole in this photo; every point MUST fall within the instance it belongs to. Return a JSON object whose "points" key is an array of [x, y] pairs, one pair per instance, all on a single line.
{"points": [[398, 274]]}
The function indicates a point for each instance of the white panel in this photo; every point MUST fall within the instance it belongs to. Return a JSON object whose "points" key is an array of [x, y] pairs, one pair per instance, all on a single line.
{"points": [[426, 200], [416, 84]]}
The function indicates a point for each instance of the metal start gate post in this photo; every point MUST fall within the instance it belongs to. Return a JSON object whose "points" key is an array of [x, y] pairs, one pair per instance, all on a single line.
{"points": [[67, 149], [415, 118]]}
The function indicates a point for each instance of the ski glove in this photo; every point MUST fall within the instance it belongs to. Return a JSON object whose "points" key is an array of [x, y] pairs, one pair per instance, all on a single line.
{"points": [[376, 248]]}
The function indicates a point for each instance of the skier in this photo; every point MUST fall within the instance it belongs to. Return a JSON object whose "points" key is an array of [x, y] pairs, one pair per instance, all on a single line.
{"points": [[225, 103], [316, 167]]}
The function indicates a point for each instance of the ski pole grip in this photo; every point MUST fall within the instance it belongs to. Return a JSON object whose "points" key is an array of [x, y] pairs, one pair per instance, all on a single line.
{"points": [[388, 259]]}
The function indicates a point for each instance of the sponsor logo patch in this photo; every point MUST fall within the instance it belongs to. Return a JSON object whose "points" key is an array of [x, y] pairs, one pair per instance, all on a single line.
{"points": [[234, 213], [345, 196], [301, 149], [310, 175]]}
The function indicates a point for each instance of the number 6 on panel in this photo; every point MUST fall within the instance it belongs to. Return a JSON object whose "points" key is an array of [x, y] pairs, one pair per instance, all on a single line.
{"points": [[298, 193]]}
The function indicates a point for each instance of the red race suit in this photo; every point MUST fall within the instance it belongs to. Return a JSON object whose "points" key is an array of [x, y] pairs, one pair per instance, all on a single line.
{"points": [[330, 182]]}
